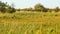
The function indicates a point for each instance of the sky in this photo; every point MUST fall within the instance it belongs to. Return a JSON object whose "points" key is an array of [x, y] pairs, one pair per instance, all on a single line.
{"points": [[31, 3]]}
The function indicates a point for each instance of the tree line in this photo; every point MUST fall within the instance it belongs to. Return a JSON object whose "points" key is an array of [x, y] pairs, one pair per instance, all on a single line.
{"points": [[39, 7], [5, 8]]}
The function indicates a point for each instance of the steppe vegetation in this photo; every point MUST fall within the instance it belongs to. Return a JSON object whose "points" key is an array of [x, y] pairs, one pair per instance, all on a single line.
{"points": [[39, 20]]}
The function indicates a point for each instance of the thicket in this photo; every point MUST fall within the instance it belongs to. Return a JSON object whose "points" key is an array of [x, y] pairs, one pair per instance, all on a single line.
{"points": [[4, 8]]}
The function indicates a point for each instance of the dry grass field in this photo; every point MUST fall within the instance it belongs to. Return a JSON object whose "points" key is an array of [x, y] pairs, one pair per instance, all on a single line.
{"points": [[30, 23]]}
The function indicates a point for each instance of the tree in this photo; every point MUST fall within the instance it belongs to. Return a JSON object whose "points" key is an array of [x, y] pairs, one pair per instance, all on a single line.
{"points": [[2, 7], [57, 9], [6, 8], [12, 10], [40, 7]]}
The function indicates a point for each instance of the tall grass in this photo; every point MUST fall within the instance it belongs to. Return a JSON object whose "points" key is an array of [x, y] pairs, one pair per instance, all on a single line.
{"points": [[30, 23]]}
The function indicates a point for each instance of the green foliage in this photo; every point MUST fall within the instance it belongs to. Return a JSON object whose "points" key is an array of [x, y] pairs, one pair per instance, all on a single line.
{"points": [[3, 10], [45, 10], [2, 7], [11, 10], [6, 8], [38, 7], [57, 9]]}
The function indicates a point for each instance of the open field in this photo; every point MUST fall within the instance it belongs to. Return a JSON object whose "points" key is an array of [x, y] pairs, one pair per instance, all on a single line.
{"points": [[30, 23]]}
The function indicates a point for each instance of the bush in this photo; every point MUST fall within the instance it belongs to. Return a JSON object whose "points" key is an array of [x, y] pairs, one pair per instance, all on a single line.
{"points": [[6, 8], [56, 15], [3, 10], [12, 10], [45, 10]]}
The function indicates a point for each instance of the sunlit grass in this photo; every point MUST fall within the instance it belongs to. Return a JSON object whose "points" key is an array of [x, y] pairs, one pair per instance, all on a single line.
{"points": [[30, 23]]}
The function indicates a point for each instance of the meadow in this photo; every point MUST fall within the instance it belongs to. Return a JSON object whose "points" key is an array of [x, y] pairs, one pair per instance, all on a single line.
{"points": [[28, 22]]}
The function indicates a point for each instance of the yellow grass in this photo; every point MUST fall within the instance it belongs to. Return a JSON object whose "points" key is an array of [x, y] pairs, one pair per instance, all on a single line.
{"points": [[30, 23]]}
